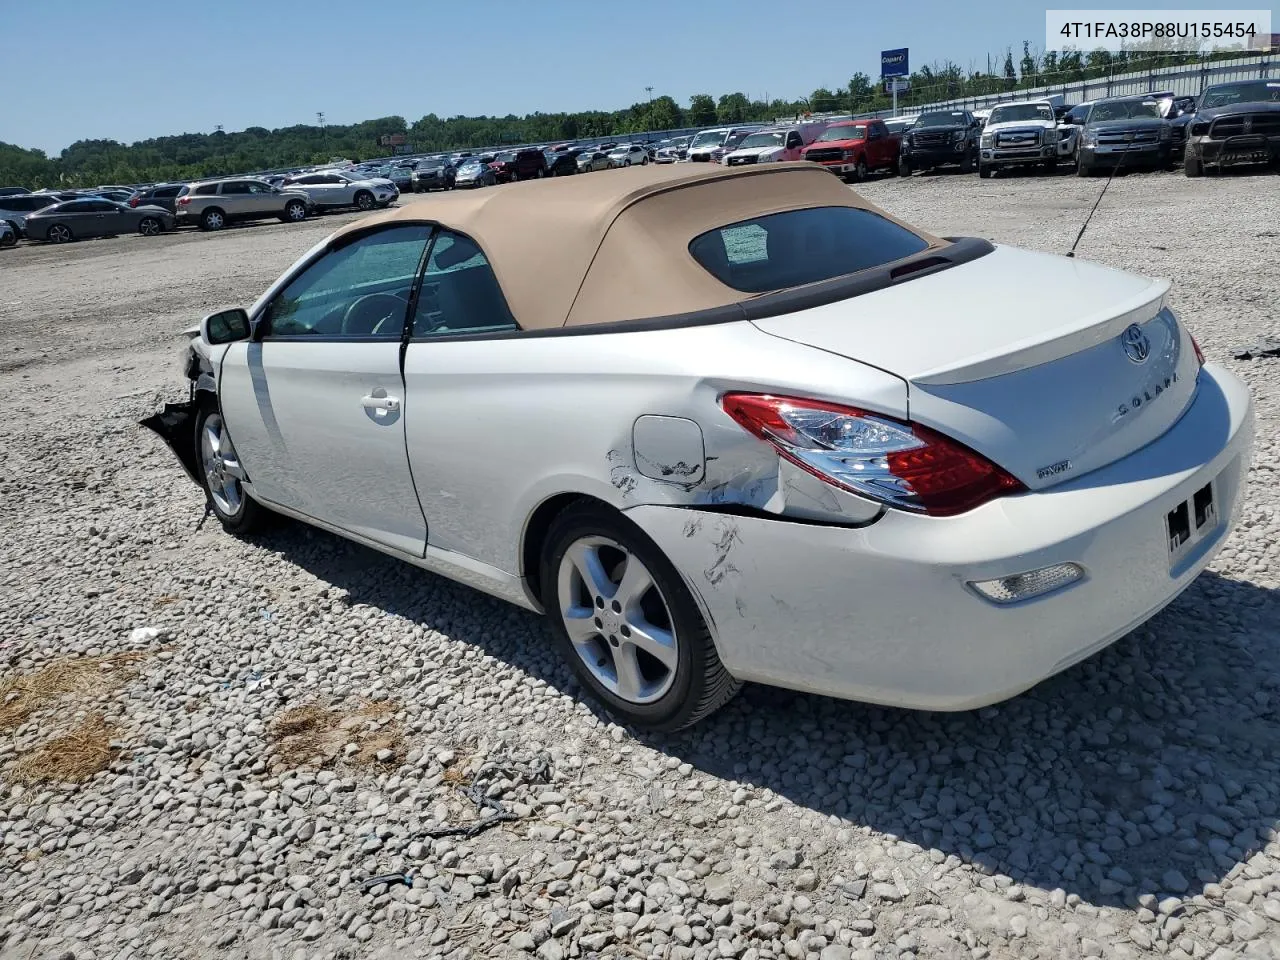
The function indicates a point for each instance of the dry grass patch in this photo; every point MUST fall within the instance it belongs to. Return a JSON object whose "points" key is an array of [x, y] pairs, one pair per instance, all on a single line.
{"points": [[73, 757], [24, 694], [316, 736]]}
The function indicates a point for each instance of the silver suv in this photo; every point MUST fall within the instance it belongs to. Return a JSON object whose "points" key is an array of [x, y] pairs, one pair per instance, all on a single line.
{"points": [[212, 204]]}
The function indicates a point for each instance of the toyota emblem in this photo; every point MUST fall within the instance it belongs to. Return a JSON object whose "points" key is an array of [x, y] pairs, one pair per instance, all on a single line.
{"points": [[1136, 345]]}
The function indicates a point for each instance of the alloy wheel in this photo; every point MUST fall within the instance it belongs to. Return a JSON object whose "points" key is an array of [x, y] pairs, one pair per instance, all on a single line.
{"points": [[296, 212], [221, 466], [617, 619], [59, 234], [149, 227]]}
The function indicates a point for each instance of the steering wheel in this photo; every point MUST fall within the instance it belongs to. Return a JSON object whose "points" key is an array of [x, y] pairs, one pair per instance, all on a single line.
{"points": [[366, 315]]}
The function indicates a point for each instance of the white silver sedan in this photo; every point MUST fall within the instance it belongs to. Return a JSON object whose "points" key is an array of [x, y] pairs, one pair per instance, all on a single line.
{"points": [[715, 424]]}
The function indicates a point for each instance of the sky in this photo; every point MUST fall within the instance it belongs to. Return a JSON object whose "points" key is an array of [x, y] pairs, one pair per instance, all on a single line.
{"points": [[132, 69]]}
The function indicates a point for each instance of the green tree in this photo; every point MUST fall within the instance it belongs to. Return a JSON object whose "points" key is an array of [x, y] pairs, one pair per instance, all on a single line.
{"points": [[1010, 74], [823, 99], [732, 108], [702, 110], [1030, 69]]}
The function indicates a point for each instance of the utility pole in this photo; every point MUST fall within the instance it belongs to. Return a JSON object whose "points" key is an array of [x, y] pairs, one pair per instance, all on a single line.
{"points": [[324, 140]]}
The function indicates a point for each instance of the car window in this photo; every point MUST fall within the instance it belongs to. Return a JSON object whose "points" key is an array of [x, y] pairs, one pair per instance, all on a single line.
{"points": [[235, 187], [165, 192], [102, 206], [206, 190], [460, 293], [261, 188], [360, 290], [76, 206], [789, 249]]}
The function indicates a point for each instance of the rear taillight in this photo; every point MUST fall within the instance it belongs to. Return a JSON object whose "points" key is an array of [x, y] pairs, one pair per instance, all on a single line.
{"points": [[1195, 345], [183, 201], [901, 464], [133, 201]]}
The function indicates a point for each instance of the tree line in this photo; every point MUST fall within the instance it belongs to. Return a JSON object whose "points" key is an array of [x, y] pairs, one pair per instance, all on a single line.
{"points": [[190, 156]]}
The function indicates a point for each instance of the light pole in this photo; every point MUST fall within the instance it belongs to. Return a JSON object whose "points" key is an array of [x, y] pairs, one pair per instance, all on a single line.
{"points": [[324, 140]]}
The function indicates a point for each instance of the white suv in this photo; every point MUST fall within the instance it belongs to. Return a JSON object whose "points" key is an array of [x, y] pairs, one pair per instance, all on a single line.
{"points": [[329, 189], [1027, 133], [628, 154]]}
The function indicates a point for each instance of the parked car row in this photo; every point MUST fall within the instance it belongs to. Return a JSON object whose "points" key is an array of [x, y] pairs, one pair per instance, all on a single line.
{"points": [[1229, 124], [60, 216]]}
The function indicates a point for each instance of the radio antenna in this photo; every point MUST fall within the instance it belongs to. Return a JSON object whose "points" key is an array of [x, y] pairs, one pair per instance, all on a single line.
{"points": [[1101, 193]]}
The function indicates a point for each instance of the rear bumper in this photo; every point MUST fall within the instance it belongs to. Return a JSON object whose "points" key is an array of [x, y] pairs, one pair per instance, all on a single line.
{"points": [[883, 613]]}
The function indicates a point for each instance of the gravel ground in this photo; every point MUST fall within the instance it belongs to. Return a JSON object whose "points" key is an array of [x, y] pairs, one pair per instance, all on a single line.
{"points": [[1125, 808]]}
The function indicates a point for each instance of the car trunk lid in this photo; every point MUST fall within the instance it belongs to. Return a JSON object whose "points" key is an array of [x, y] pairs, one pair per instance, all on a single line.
{"points": [[1028, 358]]}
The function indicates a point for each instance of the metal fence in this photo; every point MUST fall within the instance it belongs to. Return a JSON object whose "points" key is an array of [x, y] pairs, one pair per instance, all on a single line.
{"points": [[1187, 80]]}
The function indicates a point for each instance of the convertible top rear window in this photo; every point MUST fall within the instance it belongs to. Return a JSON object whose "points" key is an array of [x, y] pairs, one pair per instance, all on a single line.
{"points": [[791, 249]]}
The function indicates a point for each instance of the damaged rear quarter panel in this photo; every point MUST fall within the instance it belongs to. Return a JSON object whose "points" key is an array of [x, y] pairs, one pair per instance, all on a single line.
{"points": [[548, 416]]}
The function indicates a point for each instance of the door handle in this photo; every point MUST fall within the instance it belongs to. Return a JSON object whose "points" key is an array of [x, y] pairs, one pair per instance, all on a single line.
{"points": [[381, 404]]}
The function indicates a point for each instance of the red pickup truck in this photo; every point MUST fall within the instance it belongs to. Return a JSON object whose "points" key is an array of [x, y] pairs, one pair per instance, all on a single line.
{"points": [[853, 148]]}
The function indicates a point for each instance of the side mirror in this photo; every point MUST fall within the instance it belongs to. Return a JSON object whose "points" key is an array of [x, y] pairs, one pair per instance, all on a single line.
{"points": [[226, 326]]}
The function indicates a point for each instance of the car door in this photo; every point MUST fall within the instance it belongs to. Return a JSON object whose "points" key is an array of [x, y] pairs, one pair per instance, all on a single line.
{"points": [[236, 201], [315, 402], [877, 141], [264, 200], [793, 145], [96, 218], [458, 469]]}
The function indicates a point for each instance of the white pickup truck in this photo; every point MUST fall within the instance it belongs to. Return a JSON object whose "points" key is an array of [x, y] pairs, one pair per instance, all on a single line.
{"points": [[1027, 133]]}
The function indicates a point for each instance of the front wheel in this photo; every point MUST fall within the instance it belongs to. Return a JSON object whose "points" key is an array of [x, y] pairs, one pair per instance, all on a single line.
{"points": [[295, 212], [1192, 166], [1083, 169], [627, 624], [364, 200], [860, 170], [984, 171], [904, 168], [222, 475], [966, 165], [149, 227]]}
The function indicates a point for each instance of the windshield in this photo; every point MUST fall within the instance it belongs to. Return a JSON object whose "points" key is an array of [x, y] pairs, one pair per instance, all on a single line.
{"points": [[1124, 110], [506, 158], [844, 131], [735, 140], [1019, 112], [774, 139], [953, 118], [1253, 91], [708, 138]]}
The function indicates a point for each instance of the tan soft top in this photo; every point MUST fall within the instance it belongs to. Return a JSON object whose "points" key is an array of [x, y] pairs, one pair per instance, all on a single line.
{"points": [[615, 246]]}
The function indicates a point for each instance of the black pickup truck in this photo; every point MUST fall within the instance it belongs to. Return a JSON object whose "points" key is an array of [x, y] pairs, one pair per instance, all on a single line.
{"points": [[1232, 124], [947, 138]]}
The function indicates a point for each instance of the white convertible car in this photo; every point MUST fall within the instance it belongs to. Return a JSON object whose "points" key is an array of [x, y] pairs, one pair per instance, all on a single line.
{"points": [[733, 424]]}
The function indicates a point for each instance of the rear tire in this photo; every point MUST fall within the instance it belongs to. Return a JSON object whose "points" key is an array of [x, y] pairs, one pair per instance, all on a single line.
{"points": [[671, 693], [238, 512], [1192, 166], [213, 219], [59, 233]]}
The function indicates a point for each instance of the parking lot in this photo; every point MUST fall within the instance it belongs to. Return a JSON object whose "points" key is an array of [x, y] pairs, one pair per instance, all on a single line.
{"points": [[1126, 807]]}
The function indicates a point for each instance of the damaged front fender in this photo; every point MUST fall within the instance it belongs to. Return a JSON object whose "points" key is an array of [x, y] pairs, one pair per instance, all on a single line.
{"points": [[176, 426]]}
